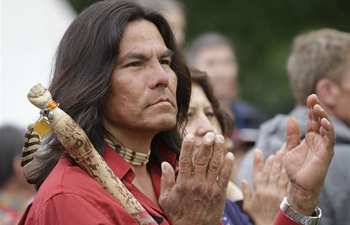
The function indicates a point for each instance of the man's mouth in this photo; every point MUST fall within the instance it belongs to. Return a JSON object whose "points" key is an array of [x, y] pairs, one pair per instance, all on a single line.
{"points": [[163, 99]]}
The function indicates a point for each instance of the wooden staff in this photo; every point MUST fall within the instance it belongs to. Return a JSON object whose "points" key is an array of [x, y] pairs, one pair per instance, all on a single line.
{"points": [[79, 147]]}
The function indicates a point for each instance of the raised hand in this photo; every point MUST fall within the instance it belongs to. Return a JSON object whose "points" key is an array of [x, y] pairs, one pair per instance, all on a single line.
{"points": [[307, 161], [197, 196], [270, 183]]}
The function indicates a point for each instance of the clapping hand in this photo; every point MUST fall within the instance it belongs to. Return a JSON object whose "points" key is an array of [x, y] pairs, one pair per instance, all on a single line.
{"points": [[307, 161], [196, 196]]}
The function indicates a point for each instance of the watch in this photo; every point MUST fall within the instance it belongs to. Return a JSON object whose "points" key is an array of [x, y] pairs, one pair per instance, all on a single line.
{"points": [[298, 217]]}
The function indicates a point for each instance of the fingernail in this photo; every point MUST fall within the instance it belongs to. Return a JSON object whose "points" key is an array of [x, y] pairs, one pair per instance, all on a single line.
{"points": [[230, 156], [318, 107], [258, 151], [220, 138], [164, 166], [209, 137], [325, 120]]}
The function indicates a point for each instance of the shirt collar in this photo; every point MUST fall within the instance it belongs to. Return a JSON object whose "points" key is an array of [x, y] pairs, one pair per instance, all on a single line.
{"points": [[118, 165], [123, 170]]}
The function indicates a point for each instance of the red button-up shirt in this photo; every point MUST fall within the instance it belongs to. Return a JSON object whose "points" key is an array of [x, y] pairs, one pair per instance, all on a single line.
{"points": [[69, 196]]}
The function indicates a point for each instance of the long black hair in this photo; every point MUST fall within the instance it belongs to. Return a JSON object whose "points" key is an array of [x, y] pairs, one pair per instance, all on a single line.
{"points": [[85, 59]]}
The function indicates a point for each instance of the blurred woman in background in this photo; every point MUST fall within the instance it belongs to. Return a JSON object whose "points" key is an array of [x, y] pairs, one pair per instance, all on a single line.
{"points": [[205, 115]]}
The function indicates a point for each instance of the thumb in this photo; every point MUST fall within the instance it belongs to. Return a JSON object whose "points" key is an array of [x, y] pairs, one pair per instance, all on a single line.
{"points": [[292, 133], [258, 165], [247, 195], [167, 180]]}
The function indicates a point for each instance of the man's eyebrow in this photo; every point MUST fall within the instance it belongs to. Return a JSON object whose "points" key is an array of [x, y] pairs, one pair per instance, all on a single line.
{"points": [[133, 55], [140, 56]]}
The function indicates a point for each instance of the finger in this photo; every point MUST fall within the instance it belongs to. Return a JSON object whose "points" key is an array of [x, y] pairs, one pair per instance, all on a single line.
{"points": [[185, 159], [265, 174], [203, 155], [283, 181], [226, 171], [292, 133], [217, 159], [312, 123], [327, 127], [247, 195], [312, 100], [327, 132], [322, 115], [167, 180], [257, 166], [275, 171], [283, 150], [279, 154], [319, 112]]}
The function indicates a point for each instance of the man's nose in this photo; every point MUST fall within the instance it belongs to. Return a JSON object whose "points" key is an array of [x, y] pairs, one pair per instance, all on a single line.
{"points": [[160, 76]]}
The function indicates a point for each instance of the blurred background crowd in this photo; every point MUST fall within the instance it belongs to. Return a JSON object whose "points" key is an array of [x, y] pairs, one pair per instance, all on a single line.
{"points": [[242, 45]]}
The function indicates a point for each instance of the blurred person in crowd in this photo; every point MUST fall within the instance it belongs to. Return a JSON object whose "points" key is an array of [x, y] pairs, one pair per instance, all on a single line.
{"points": [[206, 115], [214, 54], [174, 13], [318, 63], [15, 192]]}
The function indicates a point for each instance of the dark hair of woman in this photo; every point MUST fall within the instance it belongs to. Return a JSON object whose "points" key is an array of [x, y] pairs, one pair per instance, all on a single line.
{"points": [[225, 119], [85, 60]]}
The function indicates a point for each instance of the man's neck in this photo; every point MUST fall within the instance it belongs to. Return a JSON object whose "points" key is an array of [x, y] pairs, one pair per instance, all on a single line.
{"points": [[134, 140]]}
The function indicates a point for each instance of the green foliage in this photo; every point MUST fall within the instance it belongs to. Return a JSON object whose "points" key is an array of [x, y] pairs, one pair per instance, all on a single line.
{"points": [[262, 32]]}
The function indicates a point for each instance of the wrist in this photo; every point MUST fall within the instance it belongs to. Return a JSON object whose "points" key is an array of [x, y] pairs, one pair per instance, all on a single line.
{"points": [[301, 200], [298, 217]]}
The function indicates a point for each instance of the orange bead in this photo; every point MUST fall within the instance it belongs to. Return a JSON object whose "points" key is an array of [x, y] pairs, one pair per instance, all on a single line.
{"points": [[51, 104]]}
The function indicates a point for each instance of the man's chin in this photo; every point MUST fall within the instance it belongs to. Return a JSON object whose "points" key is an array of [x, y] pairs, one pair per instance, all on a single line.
{"points": [[165, 123]]}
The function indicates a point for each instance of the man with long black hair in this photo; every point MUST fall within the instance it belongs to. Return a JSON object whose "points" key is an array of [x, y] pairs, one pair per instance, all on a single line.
{"points": [[119, 74]]}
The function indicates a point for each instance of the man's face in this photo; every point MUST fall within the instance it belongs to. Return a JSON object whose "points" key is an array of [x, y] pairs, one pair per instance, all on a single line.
{"points": [[342, 105], [218, 62], [143, 86]]}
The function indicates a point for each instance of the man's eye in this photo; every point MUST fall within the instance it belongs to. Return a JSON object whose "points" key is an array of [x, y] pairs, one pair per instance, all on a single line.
{"points": [[134, 64], [165, 62]]}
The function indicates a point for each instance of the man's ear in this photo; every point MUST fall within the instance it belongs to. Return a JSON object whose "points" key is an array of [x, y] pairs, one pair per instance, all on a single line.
{"points": [[328, 92]]}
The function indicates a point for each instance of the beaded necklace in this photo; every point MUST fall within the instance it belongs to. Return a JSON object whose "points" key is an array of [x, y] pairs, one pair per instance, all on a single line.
{"points": [[132, 157]]}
